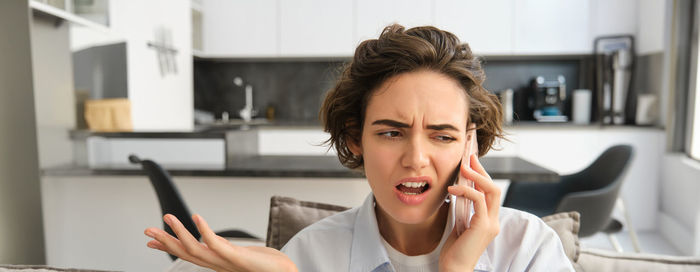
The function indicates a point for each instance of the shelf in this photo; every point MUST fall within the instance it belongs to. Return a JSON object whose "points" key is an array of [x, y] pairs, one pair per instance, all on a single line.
{"points": [[67, 16]]}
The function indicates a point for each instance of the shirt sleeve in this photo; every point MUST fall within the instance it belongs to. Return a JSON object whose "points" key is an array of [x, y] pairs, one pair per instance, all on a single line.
{"points": [[318, 250], [526, 243], [549, 254], [538, 249]]}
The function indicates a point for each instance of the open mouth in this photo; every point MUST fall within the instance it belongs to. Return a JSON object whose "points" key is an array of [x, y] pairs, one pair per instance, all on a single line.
{"points": [[413, 188]]}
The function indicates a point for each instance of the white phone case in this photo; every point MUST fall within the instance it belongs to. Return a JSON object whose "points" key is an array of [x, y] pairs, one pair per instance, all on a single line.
{"points": [[464, 206]]}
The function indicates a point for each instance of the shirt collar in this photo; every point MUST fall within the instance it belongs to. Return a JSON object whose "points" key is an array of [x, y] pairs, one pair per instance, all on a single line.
{"points": [[368, 253]]}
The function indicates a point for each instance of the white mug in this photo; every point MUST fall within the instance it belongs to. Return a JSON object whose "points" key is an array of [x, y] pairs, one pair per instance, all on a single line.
{"points": [[582, 106]]}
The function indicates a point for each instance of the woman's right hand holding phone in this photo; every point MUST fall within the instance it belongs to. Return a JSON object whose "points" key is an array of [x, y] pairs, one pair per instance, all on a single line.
{"points": [[215, 252], [463, 252]]}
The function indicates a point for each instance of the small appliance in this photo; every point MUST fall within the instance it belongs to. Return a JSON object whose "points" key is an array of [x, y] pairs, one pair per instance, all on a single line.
{"points": [[548, 99]]}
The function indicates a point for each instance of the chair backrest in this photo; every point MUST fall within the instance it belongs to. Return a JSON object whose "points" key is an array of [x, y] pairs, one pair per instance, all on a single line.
{"points": [[594, 190], [168, 196]]}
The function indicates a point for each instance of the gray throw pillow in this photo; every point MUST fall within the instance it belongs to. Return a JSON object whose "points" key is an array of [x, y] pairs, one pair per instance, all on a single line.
{"points": [[288, 216]]}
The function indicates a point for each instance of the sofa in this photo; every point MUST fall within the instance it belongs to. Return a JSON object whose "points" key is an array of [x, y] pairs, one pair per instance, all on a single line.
{"points": [[289, 215]]}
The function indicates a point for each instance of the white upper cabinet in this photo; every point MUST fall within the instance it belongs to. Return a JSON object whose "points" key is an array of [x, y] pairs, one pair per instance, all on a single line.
{"points": [[552, 27], [486, 25], [333, 28], [651, 21], [613, 17], [373, 15], [239, 28], [316, 28]]}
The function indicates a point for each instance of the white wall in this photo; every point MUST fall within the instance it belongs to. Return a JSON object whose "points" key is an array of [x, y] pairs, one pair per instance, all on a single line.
{"points": [[21, 235], [158, 103], [680, 204]]}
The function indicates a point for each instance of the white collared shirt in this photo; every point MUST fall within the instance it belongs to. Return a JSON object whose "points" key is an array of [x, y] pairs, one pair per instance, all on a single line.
{"points": [[350, 241]]}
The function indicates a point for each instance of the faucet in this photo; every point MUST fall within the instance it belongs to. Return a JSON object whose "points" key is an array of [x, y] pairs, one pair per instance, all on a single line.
{"points": [[247, 111]]}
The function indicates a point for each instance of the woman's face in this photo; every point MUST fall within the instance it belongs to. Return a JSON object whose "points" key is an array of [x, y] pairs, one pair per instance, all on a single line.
{"points": [[412, 141]]}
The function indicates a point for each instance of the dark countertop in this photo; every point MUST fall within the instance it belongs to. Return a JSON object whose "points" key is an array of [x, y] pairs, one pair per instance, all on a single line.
{"points": [[512, 168], [219, 131]]}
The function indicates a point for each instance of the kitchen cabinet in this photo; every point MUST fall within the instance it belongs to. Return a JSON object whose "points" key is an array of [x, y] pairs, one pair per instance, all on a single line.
{"points": [[613, 17], [316, 28], [157, 55], [651, 22], [643, 19], [552, 27], [486, 25], [159, 62], [373, 16], [240, 28]]}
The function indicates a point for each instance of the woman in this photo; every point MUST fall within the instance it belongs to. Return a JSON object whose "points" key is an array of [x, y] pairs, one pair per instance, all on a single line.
{"points": [[400, 112]]}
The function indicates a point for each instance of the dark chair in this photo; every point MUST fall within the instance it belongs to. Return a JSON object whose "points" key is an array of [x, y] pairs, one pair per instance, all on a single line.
{"points": [[592, 192], [171, 202]]}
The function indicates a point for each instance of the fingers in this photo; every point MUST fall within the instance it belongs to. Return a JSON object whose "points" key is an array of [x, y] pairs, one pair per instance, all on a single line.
{"points": [[216, 243], [184, 246], [163, 241], [470, 193], [193, 247], [154, 244], [482, 182], [190, 244], [476, 164]]}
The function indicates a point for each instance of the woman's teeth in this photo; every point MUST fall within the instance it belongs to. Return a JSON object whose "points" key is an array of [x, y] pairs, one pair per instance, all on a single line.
{"points": [[413, 188], [414, 184]]}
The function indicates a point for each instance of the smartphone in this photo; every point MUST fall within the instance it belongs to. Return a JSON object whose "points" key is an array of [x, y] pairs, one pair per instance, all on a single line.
{"points": [[464, 206]]}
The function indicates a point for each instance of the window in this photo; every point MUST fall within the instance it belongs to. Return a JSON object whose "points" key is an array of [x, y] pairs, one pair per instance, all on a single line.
{"points": [[694, 109], [693, 122]]}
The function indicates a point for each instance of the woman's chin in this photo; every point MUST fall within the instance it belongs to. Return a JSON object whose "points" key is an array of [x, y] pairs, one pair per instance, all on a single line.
{"points": [[412, 215]]}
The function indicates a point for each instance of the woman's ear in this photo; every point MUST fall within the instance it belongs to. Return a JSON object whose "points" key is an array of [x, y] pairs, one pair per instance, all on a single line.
{"points": [[354, 146]]}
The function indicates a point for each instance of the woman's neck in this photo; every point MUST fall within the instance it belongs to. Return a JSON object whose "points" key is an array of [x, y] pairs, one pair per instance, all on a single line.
{"points": [[413, 239]]}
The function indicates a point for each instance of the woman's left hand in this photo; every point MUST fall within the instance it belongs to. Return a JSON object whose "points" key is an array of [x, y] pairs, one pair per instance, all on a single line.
{"points": [[215, 252], [463, 252]]}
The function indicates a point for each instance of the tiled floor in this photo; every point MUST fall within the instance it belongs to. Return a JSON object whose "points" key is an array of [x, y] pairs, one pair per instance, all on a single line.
{"points": [[650, 242]]}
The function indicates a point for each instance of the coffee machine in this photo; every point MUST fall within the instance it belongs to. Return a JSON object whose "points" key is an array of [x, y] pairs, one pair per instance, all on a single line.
{"points": [[548, 98], [542, 100]]}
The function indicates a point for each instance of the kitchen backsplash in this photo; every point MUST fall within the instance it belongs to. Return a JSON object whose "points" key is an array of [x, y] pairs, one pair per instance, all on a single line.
{"points": [[296, 88]]}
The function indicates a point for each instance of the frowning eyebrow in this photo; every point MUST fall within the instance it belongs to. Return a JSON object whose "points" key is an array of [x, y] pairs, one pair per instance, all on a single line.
{"points": [[397, 124]]}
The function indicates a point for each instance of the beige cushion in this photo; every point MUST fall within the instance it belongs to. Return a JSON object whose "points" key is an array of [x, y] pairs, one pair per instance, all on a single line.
{"points": [[42, 268], [567, 225], [599, 260], [288, 216]]}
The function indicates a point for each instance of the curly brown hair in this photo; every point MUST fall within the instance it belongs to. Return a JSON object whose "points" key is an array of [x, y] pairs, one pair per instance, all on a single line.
{"points": [[397, 51]]}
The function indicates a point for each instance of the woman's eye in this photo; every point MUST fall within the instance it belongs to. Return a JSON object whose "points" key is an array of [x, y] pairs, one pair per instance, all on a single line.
{"points": [[445, 138], [390, 134]]}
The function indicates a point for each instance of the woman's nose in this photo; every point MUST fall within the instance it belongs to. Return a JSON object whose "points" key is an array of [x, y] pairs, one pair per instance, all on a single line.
{"points": [[416, 155]]}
